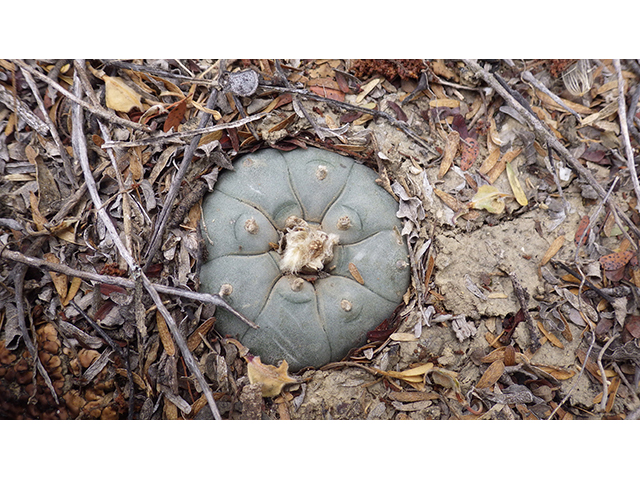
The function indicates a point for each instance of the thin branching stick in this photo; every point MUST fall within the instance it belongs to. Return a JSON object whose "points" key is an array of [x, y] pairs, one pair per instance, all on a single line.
{"points": [[548, 137], [66, 161], [603, 375], [349, 107], [35, 262], [162, 138], [163, 216], [80, 151], [624, 129], [527, 76], [98, 111], [20, 311]]}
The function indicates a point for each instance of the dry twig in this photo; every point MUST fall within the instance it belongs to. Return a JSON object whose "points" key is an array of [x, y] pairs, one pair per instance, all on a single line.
{"points": [[548, 137], [80, 151], [624, 130], [527, 76], [20, 301], [119, 281], [349, 107], [98, 111], [603, 375], [66, 161], [575, 381], [163, 217]]}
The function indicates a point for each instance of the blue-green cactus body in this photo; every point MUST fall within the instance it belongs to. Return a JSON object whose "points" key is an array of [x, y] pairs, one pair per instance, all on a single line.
{"points": [[306, 321]]}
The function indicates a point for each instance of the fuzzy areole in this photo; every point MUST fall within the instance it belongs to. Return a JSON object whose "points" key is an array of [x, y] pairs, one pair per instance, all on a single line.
{"points": [[285, 234]]}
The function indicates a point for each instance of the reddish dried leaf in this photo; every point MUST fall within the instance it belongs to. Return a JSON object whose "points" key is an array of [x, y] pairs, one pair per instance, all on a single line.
{"points": [[233, 136], [154, 270], [470, 151], [107, 290], [595, 155], [615, 275], [283, 99], [342, 82], [400, 115], [582, 227], [632, 325], [460, 126], [104, 310], [176, 115], [350, 117], [616, 260], [329, 93]]}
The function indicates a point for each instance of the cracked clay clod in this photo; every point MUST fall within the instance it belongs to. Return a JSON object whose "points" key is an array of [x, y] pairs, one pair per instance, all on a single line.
{"points": [[286, 235]]}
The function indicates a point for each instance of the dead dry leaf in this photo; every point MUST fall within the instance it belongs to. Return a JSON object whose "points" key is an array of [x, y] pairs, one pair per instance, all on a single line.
{"points": [[48, 192], [353, 270], [37, 217], [366, 89], [518, 192], [491, 375], [165, 335], [488, 198], [489, 162], [500, 166], [470, 151], [176, 115], [60, 281], [582, 227], [555, 246], [550, 336], [120, 96], [449, 200], [450, 150], [557, 372], [273, 379], [550, 103], [444, 102], [616, 260]]}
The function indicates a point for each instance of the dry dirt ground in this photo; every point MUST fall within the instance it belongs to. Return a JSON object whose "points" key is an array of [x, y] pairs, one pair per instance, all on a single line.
{"points": [[512, 312]]}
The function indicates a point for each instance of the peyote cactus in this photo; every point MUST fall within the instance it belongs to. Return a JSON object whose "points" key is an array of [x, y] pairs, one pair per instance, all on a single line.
{"points": [[306, 245]]}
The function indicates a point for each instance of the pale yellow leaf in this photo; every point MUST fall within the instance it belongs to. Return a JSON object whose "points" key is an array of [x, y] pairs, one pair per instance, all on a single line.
{"points": [[73, 289], [59, 279], [366, 89], [496, 295], [518, 192], [489, 198], [403, 337], [444, 102], [272, 378], [120, 96]]}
